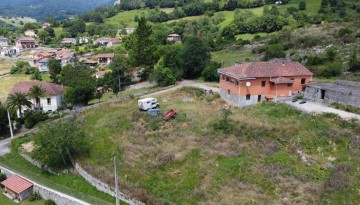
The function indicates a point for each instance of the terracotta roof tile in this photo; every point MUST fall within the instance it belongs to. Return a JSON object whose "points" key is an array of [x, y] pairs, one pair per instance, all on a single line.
{"points": [[17, 184], [266, 69], [24, 87]]}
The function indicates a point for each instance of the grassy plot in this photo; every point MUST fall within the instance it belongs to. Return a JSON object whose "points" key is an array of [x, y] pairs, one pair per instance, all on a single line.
{"points": [[7, 82], [5, 66], [126, 17], [73, 185], [190, 160], [229, 57]]}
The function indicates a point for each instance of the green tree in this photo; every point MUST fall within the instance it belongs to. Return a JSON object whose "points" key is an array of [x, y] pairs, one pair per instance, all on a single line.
{"points": [[331, 53], [141, 47], [78, 77], [36, 92], [36, 75], [59, 142], [54, 70], [195, 56], [302, 5], [210, 72], [162, 75], [121, 70], [274, 51], [354, 62], [42, 35], [16, 101]]}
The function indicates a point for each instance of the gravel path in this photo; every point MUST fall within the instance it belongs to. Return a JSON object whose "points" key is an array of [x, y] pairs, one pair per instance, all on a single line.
{"points": [[311, 107]]}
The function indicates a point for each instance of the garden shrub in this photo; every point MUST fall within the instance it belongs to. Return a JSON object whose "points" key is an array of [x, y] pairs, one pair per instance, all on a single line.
{"points": [[35, 197], [50, 202]]}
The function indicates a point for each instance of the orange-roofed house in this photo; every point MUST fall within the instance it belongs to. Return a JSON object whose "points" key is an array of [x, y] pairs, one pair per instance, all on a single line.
{"points": [[52, 100], [248, 83], [105, 58], [17, 188]]}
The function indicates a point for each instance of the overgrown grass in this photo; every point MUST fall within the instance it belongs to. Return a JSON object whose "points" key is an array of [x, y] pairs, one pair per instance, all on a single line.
{"points": [[126, 18], [270, 150], [230, 56], [5, 66], [347, 108]]}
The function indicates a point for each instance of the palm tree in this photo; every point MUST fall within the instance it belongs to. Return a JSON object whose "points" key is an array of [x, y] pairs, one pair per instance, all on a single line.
{"points": [[16, 101], [36, 92]]}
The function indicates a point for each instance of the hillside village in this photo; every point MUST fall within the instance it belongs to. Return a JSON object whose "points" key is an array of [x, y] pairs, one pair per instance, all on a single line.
{"points": [[182, 102]]}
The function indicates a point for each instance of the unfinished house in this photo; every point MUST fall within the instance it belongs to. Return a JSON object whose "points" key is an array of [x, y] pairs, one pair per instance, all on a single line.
{"points": [[341, 92]]}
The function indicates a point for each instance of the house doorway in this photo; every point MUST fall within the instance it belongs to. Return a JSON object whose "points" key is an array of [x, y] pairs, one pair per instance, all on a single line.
{"points": [[259, 98], [322, 94]]}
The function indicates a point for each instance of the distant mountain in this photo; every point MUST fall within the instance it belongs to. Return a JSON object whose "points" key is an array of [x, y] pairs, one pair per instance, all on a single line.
{"points": [[58, 9]]}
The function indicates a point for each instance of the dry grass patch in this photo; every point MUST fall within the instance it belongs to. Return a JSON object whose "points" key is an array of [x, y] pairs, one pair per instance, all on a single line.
{"points": [[7, 82]]}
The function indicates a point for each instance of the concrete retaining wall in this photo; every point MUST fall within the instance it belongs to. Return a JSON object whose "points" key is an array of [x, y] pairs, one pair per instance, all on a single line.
{"points": [[241, 101], [47, 193]]}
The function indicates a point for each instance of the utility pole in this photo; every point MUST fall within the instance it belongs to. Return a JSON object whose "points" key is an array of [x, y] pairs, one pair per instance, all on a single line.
{"points": [[116, 184], [10, 125]]}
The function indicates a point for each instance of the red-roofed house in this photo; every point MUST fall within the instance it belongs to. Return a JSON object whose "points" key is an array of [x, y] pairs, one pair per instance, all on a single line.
{"points": [[26, 43], [52, 100], [248, 83], [17, 188], [105, 58], [173, 37]]}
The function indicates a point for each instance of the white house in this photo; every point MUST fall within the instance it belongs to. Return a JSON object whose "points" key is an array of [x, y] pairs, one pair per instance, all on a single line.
{"points": [[43, 65], [6, 51], [174, 37], [4, 41], [84, 39], [129, 30], [68, 41], [50, 102]]}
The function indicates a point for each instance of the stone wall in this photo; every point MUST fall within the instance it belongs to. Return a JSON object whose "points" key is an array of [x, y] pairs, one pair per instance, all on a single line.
{"points": [[47, 193], [36, 163], [332, 96], [101, 186]]}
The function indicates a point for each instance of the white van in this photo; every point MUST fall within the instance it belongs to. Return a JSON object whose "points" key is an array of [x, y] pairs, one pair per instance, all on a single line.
{"points": [[148, 103]]}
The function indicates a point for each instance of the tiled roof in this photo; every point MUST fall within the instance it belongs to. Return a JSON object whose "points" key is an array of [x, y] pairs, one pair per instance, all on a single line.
{"points": [[106, 55], [26, 40], [173, 35], [17, 184], [24, 87], [281, 80], [266, 69]]}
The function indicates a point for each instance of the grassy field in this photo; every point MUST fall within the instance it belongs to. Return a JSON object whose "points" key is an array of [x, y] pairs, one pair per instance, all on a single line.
{"points": [[16, 22], [229, 57], [5, 66], [6, 201], [270, 154], [6, 83]]}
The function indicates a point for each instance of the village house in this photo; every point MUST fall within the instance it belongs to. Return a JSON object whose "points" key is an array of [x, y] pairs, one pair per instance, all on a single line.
{"points": [[89, 62], [17, 188], [83, 39], [30, 33], [68, 41], [43, 65], [100, 74], [248, 83], [64, 56], [52, 100], [46, 25], [105, 58], [341, 92], [129, 30], [6, 51], [26, 43], [113, 42], [4, 41], [174, 37]]}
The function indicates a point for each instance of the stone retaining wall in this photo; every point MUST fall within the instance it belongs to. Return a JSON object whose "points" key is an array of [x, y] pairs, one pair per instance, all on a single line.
{"points": [[47, 193]]}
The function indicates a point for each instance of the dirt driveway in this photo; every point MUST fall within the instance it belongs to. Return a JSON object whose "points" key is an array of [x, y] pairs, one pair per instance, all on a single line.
{"points": [[312, 107]]}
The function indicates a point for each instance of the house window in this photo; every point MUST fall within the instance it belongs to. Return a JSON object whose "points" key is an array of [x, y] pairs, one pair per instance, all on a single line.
{"points": [[237, 83], [227, 79], [49, 101], [263, 83], [248, 97], [303, 80], [232, 81], [229, 92], [289, 84]]}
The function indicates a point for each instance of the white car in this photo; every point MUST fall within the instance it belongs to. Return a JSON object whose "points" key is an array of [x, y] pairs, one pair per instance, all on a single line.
{"points": [[148, 103]]}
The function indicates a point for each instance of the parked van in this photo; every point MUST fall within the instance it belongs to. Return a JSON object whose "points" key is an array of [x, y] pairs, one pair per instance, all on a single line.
{"points": [[148, 103]]}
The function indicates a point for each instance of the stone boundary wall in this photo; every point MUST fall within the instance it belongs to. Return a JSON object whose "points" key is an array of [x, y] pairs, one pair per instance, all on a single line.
{"points": [[101, 186], [38, 164], [47, 193]]}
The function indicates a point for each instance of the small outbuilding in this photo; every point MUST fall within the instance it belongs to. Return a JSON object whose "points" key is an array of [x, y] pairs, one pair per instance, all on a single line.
{"points": [[17, 188], [341, 92]]}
